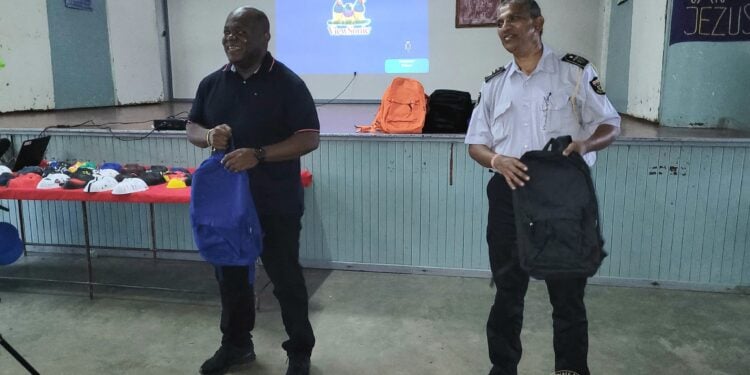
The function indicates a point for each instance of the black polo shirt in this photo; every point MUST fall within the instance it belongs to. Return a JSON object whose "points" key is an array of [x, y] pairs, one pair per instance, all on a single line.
{"points": [[267, 108]]}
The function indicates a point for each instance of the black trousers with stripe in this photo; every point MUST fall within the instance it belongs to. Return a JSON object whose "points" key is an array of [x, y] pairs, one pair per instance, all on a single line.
{"points": [[570, 326]]}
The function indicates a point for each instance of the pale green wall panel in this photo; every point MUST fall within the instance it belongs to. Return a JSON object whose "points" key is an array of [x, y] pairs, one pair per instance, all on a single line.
{"points": [[742, 244], [114, 225], [730, 234], [173, 230], [392, 203]]}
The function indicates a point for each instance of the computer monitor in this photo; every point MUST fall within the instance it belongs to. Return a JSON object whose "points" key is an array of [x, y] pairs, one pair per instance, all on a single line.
{"points": [[31, 153]]}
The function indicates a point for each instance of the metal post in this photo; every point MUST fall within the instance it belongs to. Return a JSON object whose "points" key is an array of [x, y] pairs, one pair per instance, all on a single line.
{"points": [[21, 226], [88, 248], [153, 229]]}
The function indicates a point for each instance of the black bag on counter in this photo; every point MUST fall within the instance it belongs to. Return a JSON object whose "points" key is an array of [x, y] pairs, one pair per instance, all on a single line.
{"points": [[448, 111]]}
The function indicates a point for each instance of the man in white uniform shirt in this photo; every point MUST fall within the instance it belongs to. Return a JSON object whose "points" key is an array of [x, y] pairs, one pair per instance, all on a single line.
{"points": [[539, 95]]}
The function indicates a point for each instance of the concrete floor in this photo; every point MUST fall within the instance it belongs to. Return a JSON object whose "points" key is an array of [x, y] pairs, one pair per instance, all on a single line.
{"points": [[365, 323]]}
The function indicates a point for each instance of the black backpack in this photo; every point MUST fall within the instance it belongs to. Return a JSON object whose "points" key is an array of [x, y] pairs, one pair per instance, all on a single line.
{"points": [[557, 215], [448, 112]]}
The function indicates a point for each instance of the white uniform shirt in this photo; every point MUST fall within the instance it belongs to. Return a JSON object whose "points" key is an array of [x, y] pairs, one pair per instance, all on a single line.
{"points": [[519, 113]]}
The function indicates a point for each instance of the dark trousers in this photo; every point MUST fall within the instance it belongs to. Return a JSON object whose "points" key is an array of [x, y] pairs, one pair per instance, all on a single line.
{"points": [[569, 323], [281, 262]]}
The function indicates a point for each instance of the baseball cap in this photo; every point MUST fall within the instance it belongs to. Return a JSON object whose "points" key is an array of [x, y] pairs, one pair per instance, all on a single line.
{"points": [[157, 168], [58, 164], [152, 178], [84, 174], [176, 183], [74, 167], [129, 186], [178, 169], [134, 169], [89, 164], [111, 165], [185, 177], [75, 183], [26, 181], [12, 246], [105, 172], [31, 169], [53, 181], [5, 178], [4, 169], [102, 183], [48, 171]]}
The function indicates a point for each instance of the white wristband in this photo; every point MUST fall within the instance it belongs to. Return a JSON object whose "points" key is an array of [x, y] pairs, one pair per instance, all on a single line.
{"points": [[492, 162], [208, 138]]}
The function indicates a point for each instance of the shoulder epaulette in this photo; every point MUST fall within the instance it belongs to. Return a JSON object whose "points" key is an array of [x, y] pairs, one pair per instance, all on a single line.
{"points": [[575, 60], [495, 73]]}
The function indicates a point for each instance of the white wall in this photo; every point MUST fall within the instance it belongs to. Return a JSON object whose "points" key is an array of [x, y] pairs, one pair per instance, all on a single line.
{"points": [[26, 81], [195, 31], [606, 13], [459, 58], [646, 58], [134, 47]]}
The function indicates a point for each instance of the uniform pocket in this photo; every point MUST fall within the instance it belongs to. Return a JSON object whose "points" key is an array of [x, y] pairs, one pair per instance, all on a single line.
{"points": [[500, 123], [560, 118]]}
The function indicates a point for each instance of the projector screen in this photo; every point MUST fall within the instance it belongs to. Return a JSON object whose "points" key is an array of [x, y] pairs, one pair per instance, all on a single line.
{"points": [[347, 36], [459, 58]]}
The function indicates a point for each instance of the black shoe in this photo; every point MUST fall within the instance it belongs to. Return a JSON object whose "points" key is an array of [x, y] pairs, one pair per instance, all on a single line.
{"points": [[226, 357], [298, 365]]}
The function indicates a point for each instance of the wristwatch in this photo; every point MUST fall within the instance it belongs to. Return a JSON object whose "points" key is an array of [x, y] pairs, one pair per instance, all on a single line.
{"points": [[260, 154]]}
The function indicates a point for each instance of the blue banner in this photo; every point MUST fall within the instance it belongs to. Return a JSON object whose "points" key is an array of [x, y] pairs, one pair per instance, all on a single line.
{"points": [[710, 21]]}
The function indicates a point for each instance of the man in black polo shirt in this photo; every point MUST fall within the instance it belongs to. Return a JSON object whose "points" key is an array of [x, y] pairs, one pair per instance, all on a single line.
{"points": [[263, 110]]}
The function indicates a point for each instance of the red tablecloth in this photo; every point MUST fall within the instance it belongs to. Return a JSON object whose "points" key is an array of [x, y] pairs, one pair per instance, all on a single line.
{"points": [[154, 194]]}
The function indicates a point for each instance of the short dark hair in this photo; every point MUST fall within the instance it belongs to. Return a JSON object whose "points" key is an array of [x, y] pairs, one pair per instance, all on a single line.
{"points": [[531, 5], [255, 17]]}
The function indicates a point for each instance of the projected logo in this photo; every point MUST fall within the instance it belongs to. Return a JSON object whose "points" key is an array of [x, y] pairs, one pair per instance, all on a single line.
{"points": [[348, 19]]}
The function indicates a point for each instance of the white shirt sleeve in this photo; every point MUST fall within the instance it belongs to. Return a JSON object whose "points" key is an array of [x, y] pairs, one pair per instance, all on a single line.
{"points": [[479, 126], [596, 108]]}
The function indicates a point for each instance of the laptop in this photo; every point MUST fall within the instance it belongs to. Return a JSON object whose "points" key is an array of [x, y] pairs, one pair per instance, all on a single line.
{"points": [[31, 153]]}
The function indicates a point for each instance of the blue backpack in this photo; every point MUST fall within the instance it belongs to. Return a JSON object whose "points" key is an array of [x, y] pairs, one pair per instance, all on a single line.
{"points": [[225, 223]]}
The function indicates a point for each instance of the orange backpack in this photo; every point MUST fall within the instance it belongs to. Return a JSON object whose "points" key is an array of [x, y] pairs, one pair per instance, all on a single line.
{"points": [[402, 109]]}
